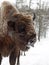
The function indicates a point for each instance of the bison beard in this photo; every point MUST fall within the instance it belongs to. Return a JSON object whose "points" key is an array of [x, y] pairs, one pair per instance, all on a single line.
{"points": [[16, 30]]}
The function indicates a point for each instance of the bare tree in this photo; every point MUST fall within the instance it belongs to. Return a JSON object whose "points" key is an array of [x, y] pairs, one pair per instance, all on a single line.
{"points": [[42, 12], [19, 3]]}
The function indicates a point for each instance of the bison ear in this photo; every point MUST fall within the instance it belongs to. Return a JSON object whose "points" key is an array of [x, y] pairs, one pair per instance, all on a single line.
{"points": [[11, 25], [34, 16], [7, 9]]}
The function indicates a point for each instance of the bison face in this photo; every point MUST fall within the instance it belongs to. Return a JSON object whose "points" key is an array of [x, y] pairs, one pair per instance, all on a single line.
{"points": [[23, 28], [26, 29], [19, 26]]}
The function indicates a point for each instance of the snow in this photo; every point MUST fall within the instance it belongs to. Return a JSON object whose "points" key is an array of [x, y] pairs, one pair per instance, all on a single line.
{"points": [[38, 55]]}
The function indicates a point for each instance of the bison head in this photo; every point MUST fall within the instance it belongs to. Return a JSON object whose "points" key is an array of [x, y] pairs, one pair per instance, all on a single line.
{"points": [[23, 28], [20, 27]]}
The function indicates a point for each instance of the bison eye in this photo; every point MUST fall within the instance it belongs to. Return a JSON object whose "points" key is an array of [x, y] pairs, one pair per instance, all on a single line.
{"points": [[21, 28], [11, 25]]}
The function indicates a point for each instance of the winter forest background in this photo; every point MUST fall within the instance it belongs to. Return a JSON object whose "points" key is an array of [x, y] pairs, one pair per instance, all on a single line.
{"points": [[39, 55]]}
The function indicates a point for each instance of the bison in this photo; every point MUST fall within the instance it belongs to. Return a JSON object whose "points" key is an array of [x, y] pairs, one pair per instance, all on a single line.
{"points": [[16, 30]]}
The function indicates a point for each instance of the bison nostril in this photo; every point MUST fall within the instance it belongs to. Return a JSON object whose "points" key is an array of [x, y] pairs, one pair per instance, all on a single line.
{"points": [[34, 35], [31, 41], [33, 38]]}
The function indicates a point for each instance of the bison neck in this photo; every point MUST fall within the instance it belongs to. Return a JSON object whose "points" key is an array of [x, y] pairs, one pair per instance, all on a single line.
{"points": [[6, 45]]}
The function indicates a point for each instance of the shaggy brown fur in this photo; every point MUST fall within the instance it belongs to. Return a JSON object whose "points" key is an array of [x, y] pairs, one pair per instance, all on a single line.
{"points": [[16, 30]]}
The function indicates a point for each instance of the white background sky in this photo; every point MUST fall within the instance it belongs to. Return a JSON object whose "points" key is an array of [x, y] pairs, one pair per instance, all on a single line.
{"points": [[34, 1]]}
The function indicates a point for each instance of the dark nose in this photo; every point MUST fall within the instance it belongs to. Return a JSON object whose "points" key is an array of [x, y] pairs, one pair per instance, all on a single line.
{"points": [[33, 38], [33, 35]]}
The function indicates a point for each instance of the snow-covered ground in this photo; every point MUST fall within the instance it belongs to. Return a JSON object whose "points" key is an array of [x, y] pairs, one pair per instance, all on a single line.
{"points": [[39, 55]]}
